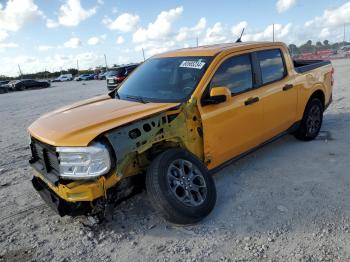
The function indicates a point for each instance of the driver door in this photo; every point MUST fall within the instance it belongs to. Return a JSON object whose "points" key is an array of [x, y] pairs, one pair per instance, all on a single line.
{"points": [[234, 126]]}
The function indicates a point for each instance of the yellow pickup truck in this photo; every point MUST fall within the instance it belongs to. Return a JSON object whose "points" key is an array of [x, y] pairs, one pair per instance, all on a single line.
{"points": [[172, 123]]}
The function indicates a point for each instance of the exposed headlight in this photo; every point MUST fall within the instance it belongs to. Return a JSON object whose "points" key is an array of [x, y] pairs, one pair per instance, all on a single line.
{"points": [[84, 162]]}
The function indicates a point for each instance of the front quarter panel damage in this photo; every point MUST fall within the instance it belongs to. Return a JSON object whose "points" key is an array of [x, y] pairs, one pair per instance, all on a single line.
{"points": [[134, 144]]}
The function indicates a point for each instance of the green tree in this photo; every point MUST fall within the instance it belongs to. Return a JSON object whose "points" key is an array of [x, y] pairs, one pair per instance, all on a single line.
{"points": [[72, 71]]}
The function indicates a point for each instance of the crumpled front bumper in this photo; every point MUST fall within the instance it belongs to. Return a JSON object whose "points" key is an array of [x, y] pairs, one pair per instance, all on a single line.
{"points": [[75, 198], [58, 204]]}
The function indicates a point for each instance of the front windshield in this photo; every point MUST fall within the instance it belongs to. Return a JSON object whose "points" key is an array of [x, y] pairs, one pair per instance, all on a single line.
{"points": [[171, 79]]}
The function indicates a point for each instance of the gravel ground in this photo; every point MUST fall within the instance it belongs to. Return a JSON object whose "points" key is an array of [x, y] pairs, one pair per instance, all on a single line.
{"points": [[289, 201]]}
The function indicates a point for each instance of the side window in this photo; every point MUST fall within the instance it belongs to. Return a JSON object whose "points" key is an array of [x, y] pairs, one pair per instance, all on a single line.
{"points": [[271, 65], [235, 73]]}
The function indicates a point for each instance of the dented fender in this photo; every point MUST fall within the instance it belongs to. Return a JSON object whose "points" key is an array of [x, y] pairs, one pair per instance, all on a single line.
{"points": [[180, 127]]}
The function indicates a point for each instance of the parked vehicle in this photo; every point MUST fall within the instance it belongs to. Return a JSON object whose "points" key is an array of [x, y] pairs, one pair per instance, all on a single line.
{"points": [[116, 76], [4, 82], [23, 84], [102, 75], [3, 89], [178, 118], [63, 78], [4, 86], [84, 77], [9, 85]]}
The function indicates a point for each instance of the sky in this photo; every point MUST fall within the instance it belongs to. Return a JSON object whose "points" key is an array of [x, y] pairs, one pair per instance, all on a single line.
{"points": [[53, 35]]}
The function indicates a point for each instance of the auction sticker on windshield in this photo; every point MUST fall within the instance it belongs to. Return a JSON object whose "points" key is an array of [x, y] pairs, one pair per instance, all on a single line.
{"points": [[192, 64]]}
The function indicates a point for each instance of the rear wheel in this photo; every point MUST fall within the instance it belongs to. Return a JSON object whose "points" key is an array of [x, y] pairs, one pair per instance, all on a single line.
{"points": [[180, 188], [21, 88], [312, 121]]}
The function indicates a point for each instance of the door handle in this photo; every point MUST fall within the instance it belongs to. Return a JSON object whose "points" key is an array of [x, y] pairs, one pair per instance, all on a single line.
{"points": [[251, 101], [287, 87]]}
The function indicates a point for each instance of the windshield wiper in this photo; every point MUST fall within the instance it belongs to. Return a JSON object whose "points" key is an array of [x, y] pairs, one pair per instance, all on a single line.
{"points": [[137, 98]]}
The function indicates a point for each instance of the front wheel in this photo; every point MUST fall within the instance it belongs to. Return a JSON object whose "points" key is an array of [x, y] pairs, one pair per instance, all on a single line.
{"points": [[312, 121], [180, 188]]}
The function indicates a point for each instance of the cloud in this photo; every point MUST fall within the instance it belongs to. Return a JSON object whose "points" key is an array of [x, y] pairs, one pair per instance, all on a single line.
{"points": [[160, 29], [186, 33], [3, 35], [120, 40], [51, 23], [8, 45], [237, 29], [55, 62], [94, 40], [216, 34], [325, 33], [332, 17], [71, 14], [124, 23], [16, 14], [86, 60], [284, 5], [281, 32], [155, 47], [44, 48], [74, 42]]}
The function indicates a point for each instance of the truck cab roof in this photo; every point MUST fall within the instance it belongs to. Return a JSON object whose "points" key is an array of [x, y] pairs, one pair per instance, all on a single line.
{"points": [[213, 50]]}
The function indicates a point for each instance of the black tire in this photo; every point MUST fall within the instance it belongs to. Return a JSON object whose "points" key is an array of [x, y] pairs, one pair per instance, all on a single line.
{"points": [[311, 123], [20, 88], [163, 197]]}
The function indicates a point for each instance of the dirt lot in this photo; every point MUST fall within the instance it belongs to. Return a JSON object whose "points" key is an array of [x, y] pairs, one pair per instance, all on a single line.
{"points": [[289, 201]]}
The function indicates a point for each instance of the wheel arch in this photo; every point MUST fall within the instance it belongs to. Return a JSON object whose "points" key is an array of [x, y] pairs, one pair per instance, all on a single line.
{"points": [[319, 94]]}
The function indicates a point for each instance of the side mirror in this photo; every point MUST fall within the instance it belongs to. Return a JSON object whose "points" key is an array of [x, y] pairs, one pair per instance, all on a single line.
{"points": [[217, 95]]}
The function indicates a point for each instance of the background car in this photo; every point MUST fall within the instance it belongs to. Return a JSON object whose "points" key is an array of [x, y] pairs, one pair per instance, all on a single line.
{"points": [[4, 86], [84, 77], [20, 85], [63, 78], [102, 75], [116, 76], [4, 82]]}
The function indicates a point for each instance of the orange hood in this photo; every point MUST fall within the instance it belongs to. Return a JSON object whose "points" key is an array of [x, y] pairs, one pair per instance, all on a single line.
{"points": [[80, 123]]}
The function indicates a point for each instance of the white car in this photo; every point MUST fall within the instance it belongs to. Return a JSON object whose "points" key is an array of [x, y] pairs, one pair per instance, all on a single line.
{"points": [[63, 78]]}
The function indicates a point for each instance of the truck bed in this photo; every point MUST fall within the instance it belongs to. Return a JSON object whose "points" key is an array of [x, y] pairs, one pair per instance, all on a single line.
{"points": [[302, 66]]}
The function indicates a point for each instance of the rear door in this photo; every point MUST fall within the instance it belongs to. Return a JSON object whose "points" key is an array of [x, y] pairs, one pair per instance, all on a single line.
{"points": [[28, 83], [278, 94], [235, 126]]}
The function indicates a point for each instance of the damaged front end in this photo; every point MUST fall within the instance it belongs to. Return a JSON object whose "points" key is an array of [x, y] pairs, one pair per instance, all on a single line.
{"points": [[131, 148]]}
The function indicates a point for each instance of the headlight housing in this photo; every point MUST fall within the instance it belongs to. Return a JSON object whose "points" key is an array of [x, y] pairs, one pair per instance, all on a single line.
{"points": [[84, 162]]}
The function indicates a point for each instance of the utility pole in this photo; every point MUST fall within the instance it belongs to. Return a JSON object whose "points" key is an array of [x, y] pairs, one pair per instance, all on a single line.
{"points": [[78, 66], [273, 32], [20, 71], [106, 62], [197, 40], [344, 39], [143, 54]]}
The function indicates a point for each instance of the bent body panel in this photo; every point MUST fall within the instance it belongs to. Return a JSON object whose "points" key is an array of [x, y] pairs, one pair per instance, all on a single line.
{"points": [[80, 123]]}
